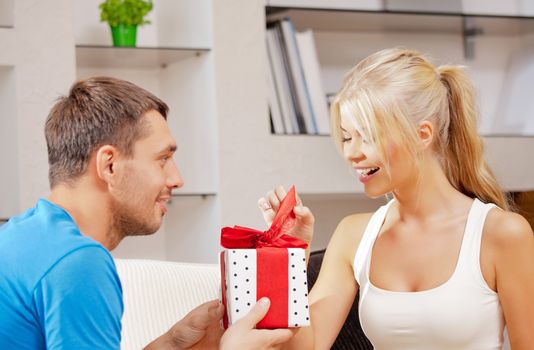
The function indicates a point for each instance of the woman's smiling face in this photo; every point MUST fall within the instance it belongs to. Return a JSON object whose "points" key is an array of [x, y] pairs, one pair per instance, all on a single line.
{"points": [[379, 176]]}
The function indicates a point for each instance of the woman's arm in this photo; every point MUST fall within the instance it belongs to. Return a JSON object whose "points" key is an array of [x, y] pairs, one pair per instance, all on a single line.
{"points": [[335, 289], [512, 248]]}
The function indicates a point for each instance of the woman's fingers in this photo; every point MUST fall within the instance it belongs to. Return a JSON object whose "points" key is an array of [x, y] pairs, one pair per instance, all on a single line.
{"points": [[266, 210], [280, 193], [273, 199], [270, 204]]}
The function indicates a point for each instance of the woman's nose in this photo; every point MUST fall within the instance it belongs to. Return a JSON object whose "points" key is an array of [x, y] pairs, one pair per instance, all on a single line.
{"points": [[353, 153]]}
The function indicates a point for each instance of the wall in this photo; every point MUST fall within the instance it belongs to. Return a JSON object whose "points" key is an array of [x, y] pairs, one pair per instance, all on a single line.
{"points": [[8, 137], [39, 49], [220, 95]]}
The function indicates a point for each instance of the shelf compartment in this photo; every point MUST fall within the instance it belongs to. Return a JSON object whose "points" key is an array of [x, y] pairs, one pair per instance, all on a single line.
{"points": [[101, 56]]}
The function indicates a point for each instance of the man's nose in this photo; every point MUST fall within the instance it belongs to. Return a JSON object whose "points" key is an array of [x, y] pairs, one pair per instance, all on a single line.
{"points": [[174, 178]]}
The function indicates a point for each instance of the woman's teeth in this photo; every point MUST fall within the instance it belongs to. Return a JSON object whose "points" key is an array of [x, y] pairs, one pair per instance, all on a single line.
{"points": [[368, 171]]}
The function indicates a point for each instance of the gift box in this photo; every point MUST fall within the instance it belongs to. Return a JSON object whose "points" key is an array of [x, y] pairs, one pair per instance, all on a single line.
{"points": [[269, 264]]}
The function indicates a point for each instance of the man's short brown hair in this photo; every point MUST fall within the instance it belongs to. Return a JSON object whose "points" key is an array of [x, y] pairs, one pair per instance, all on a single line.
{"points": [[97, 111]]}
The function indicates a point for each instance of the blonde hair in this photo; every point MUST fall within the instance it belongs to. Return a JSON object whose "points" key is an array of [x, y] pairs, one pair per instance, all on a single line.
{"points": [[390, 92]]}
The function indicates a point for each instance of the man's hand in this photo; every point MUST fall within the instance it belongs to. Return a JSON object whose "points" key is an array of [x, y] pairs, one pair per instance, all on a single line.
{"points": [[243, 336], [199, 329]]}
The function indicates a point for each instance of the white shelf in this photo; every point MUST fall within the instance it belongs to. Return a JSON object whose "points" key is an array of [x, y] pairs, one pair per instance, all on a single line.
{"points": [[101, 56], [179, 194], [400, 21]]}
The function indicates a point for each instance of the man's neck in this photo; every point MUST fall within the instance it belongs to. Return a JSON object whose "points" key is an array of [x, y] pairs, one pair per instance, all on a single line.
{"points": [[90, 210]]}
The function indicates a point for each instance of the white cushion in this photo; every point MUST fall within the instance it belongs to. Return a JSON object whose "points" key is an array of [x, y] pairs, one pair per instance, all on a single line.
{"points": [[159, 293]]}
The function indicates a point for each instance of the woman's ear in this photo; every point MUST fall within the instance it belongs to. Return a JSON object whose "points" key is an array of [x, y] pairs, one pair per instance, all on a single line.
{"points": [[426, 133], [106, 157]]}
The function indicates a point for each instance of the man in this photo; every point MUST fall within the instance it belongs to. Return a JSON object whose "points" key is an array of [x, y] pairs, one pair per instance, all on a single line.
{"points": [[111, 174]]}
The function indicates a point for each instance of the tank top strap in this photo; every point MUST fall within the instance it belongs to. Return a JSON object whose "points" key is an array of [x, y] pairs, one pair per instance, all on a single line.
{"points": [[366, 244], [470, 251]]}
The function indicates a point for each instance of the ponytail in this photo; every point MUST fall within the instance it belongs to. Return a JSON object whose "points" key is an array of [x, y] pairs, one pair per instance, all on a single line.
{"points": [[465, 165]]}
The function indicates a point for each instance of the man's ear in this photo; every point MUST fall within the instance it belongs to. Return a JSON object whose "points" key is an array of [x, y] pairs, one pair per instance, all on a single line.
{"points": [[106, 157], [426, 133]]}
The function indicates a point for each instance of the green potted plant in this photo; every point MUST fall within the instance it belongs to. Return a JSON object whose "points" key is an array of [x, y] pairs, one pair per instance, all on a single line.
{"points": [[123, 17]]}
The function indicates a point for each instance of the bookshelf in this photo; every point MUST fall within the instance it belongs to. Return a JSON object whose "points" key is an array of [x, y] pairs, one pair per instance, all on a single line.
{"points": [[467, 38], [252, 160], [347, 33]]}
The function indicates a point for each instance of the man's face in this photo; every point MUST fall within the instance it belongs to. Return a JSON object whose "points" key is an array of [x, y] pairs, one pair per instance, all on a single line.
{"points": [[145, 180]]}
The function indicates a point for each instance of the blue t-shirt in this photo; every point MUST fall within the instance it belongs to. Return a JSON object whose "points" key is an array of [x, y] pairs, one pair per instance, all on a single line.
{"points": [[58, 288]]}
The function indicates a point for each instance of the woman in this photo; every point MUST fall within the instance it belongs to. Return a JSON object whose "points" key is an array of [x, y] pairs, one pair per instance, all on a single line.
{"points": [[443, 265]]}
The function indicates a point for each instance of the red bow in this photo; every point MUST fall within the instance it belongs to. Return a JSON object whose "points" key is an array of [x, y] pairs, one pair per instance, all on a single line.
{"points": [[275, 236]]}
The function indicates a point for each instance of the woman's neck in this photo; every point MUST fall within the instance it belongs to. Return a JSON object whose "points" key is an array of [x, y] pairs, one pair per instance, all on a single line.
{"points": [[431, 197]]}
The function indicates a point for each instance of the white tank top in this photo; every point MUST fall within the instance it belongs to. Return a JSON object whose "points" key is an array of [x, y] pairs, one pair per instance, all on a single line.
{"points": [[461, 314]]}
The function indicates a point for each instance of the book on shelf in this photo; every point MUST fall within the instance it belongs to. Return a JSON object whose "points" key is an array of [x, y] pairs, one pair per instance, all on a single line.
{"points": [[312, 72], [275, 111], [279, 89], [304, 110], [298, 122], [296, 97], [281, 84]]}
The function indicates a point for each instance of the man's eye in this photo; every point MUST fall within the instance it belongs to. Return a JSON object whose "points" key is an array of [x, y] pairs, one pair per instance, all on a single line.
{"points": [[164, 160]]}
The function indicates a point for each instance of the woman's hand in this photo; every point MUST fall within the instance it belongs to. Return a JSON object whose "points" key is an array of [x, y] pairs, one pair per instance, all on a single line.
{"points": [[269, 205]]}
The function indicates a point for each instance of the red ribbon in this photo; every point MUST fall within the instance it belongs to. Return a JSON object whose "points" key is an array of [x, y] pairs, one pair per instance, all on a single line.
{"points": [[272, 282], [275, 236]]}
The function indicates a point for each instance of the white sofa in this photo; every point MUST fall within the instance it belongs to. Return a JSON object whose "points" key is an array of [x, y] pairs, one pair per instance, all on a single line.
{"points": [[159, 293]]}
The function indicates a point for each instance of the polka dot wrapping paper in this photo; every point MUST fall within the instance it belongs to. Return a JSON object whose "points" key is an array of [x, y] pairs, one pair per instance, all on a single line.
{"points": [[266, 264], [277, 273]]}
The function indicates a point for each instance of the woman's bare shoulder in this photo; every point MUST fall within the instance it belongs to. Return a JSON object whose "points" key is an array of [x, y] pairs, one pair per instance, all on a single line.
{"points": [[348, 234], [505, 226], [354, 224], [506, 233]]}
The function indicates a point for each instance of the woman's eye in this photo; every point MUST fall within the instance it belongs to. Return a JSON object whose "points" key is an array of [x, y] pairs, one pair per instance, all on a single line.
{"points": [[346, 139]]}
